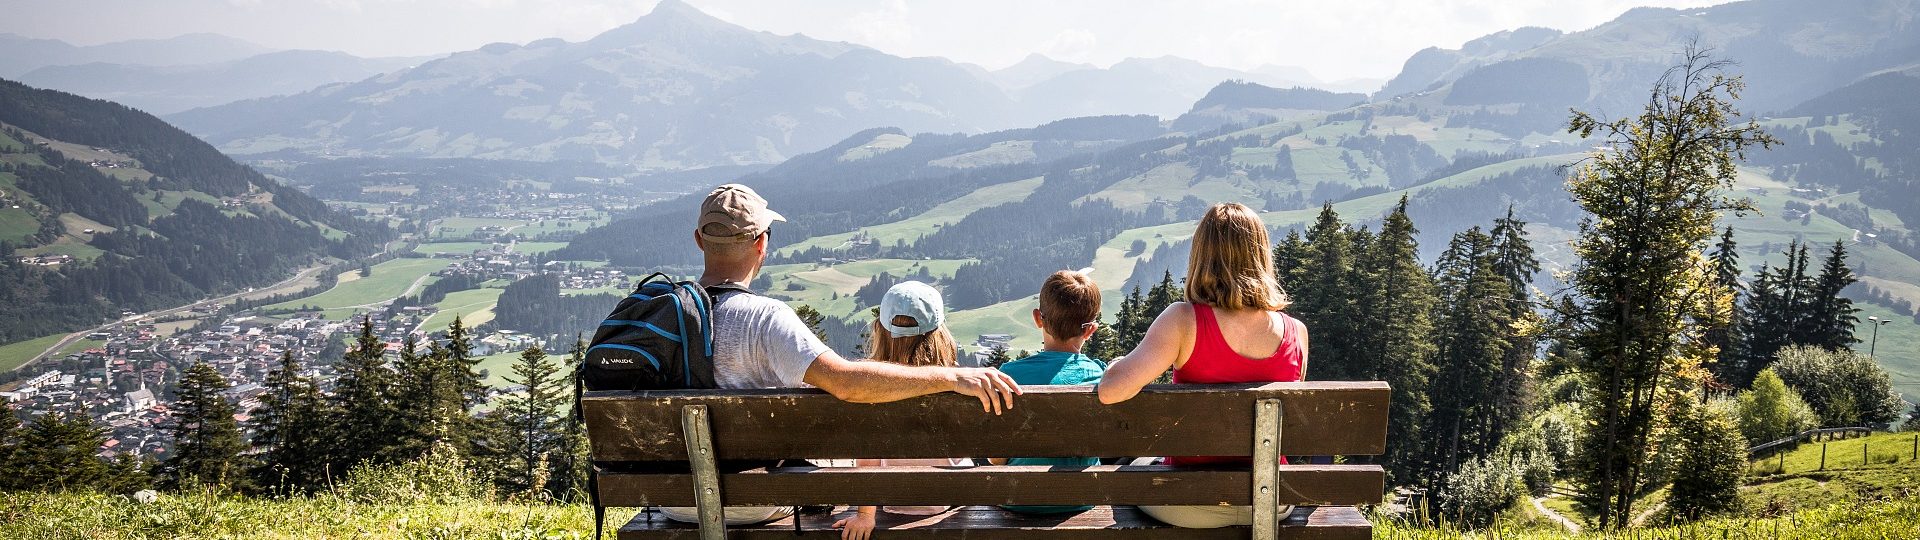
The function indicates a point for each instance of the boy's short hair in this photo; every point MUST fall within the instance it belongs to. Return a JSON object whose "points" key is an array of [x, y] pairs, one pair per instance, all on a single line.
{"points": [[1069, 301]]}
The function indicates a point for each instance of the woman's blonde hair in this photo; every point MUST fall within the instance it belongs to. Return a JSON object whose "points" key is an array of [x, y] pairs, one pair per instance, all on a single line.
{"points": [[1232, 265], [934, 348]]}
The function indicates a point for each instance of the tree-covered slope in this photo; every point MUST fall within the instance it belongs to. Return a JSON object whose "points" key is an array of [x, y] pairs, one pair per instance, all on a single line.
{"points": [[109, 209]]}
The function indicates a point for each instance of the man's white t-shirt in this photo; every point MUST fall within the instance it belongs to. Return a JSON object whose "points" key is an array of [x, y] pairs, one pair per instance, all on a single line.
{"points": [[759, 342]]}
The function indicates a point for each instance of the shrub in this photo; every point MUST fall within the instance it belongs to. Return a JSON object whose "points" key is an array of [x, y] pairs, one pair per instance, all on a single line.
{"points": [[1713, 460], [1482, 487], [1770, 410], [440, 477], [1843, 387]]}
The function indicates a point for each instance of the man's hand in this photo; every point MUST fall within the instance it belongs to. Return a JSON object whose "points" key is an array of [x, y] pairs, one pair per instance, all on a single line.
{"points": [[995, 389]]}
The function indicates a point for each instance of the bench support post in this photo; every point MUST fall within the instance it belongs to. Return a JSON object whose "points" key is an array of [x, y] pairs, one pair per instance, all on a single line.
{"points": [[706, 472], [1266, 469]]}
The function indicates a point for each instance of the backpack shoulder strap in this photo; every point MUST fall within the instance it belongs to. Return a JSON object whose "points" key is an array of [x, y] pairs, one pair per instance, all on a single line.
{"points": [[723, 288]]}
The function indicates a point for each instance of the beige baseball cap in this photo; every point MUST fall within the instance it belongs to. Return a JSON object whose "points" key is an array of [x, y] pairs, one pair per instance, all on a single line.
{"points": [[734, 213]]}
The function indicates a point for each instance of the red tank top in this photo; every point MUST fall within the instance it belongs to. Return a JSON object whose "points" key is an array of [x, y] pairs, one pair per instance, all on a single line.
{"points": [[1214, 362]]}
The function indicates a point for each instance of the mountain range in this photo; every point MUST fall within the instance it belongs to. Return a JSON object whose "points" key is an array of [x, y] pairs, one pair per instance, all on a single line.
{"points": [[681, 89], [21, 54], [164, 76]]}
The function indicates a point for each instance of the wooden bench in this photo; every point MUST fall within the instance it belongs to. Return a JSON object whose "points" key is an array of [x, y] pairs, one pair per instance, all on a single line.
{"points": [[674, 448]]}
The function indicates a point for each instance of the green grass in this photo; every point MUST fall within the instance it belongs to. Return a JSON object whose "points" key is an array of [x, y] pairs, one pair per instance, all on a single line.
{"points": [[462, 248], [497, 366], [1174, 181], [17, 224], [389, 280], [1897, 518], [459, 228], [1000, 153], [473, 306], [206, 516], [1888, 470], [197, 516], [66, 245], [881, 144], [12, 355], [1884, 450], [928, 222]]}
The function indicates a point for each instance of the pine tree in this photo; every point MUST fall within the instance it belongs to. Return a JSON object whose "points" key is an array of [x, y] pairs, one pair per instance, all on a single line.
{"points": [[575, 464], [1831, 315], [1778, 313], [1323, 296], [1104, 344], [812, 318], [464, 366], [998, 356], [1128, 326], [1472, 320], [1514, 260], [57, 453], [1728, 364], [207, 444], [430, 403], [289, 430], [364, 424], [1652, 200], [1159, 297], [531, 423], [1395, 308], [9, 446]]}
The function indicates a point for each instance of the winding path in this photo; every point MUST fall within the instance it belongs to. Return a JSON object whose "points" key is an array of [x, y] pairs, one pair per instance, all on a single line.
{"points": [[1573, 528]]}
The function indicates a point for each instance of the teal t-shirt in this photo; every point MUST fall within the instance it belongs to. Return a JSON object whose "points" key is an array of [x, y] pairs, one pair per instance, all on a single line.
{"points": [[1054, 368]]}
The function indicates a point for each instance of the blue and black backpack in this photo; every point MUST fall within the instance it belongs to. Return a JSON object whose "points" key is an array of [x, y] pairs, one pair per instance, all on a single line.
{"points": [[658, 338]]}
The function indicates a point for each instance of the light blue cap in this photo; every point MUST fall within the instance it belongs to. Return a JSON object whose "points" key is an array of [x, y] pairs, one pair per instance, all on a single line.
{"points": [[913, 299]]}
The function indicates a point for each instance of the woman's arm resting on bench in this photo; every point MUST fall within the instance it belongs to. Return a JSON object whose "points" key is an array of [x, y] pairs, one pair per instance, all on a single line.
{"points": [[1165, 347], [880, 382]]}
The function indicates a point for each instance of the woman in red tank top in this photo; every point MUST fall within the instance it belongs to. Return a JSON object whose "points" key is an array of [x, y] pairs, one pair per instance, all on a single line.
{"points": [[1229, 330]]}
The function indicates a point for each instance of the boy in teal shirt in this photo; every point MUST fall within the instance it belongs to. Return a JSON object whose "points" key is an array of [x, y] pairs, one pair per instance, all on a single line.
{"points": [[1069, 303]]}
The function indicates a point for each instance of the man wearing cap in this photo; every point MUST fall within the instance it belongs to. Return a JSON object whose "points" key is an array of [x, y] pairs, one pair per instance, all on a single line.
{"points": [[759, 342]]}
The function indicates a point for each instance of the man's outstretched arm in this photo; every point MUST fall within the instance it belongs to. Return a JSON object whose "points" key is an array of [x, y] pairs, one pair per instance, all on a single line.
{"points": [[880, 382]]}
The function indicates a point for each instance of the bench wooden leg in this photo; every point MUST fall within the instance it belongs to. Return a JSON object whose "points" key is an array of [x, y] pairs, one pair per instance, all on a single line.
{"points": [[1266, 469], [706, 472]]}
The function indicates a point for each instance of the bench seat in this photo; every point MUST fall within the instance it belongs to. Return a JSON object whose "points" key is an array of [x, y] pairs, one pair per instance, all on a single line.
{"points": [[987, 522]]}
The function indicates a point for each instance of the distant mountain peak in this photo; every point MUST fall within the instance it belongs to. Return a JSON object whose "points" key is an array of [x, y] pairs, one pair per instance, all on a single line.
{"points": [[678, 11]]}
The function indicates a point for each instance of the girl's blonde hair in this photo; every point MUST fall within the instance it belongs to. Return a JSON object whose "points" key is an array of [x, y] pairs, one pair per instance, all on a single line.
{"points": [[1231, 266], [934, 348]]}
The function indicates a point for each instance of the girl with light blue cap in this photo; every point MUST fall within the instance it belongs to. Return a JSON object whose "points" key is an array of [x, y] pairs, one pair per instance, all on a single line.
{"points": [[911, 330]]}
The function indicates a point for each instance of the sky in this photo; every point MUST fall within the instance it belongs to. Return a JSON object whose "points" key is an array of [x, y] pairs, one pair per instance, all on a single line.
{"points": [[1333, 39]]}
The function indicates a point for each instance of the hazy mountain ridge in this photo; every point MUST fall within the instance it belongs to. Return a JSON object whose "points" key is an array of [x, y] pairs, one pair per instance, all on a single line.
{"points": [[1788, 51], [680, 89], [20, 54], [171, 89]]}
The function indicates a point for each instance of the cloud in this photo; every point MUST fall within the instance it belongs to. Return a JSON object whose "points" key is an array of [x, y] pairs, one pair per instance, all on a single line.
{"points": [[1071, 45], [886, 28]]}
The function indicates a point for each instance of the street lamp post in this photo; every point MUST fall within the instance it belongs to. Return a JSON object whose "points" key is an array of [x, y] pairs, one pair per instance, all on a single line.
{"points": [[1875, 340]]}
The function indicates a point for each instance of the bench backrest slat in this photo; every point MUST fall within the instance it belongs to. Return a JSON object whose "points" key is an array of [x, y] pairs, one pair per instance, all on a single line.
{"points": [[1321, 418]]}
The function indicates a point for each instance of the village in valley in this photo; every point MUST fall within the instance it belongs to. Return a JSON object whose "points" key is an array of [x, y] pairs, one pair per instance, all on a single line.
{"points": [[124, 374]]}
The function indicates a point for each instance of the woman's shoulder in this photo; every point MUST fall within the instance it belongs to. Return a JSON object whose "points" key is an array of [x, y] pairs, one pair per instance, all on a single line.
{"points": [[1180, 310]]}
